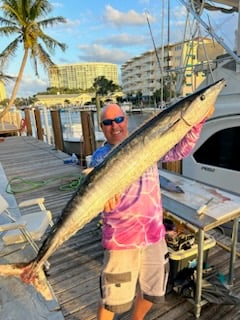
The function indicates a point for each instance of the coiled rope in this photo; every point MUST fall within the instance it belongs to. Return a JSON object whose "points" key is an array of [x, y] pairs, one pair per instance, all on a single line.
{"points": [[18, 184]]}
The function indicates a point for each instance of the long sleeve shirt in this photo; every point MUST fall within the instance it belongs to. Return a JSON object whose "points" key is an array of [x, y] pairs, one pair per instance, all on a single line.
{"points": [[137, 220]]}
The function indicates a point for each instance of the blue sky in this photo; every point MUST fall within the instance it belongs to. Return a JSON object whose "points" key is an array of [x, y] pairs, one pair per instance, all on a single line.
{"points": [[113, 31]]}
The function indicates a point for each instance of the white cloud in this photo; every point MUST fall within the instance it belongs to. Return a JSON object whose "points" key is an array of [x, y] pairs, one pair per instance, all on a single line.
{"points": [[102, 54], [129, 18], [57, 5], [124, 39], [72, 23], [29, 86]]}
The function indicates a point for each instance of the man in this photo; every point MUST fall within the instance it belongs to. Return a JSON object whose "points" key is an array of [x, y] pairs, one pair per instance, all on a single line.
{"points": [[135, 252]]}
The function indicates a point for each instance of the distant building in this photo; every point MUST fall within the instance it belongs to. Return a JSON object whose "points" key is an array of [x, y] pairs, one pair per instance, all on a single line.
{"points": [[81, 75], [62, 100], [66, 100], [182, 64]]}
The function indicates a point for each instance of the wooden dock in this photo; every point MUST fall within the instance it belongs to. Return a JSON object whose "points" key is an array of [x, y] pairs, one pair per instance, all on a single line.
{"points": [[75, 267], [7, 128], [10, 123]]}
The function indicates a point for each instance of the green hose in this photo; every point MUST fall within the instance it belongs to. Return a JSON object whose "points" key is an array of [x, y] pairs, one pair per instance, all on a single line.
{"points": [[18, 185]]}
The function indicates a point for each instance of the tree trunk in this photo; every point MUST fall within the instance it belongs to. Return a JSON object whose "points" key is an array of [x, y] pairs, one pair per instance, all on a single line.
{"points": [[98, 106], [17, 84]]}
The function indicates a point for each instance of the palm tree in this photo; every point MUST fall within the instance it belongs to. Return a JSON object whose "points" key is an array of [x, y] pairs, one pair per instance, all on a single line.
{"points": [[102, 86], [5, 77], [27, 19]]}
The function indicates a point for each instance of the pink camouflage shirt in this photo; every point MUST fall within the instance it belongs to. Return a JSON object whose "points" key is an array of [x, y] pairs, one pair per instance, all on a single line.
{"points": [[137, 221]]}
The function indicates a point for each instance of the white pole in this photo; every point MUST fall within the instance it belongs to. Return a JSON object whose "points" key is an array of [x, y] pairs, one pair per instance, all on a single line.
{"points": [[162, 54], [34, 127], [48, 133], [238, 38]]}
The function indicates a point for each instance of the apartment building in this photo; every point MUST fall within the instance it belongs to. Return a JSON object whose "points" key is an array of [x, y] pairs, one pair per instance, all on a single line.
{"points": [[182, 65], [81, 75]]}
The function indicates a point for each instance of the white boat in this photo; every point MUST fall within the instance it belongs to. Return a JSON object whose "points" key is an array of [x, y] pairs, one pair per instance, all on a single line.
{"points": [[215, 157], [74, 142], [126, 106]]}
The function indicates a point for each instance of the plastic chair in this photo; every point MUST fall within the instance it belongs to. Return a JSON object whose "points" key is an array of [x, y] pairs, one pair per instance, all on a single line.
{"points": [[27, 228]]}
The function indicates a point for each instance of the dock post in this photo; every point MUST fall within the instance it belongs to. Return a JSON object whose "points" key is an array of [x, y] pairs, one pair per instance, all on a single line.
{"points": [[37, 115], [88, 130], [174, 166], [57, 129], [28, 122]]}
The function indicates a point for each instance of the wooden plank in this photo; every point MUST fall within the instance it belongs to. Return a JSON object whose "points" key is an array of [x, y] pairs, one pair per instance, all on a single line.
{"points": [[8, 128], [75, 266]]}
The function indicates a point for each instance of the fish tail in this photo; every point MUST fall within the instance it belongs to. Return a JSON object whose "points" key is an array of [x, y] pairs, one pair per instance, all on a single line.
{"points": [[29, 275]]}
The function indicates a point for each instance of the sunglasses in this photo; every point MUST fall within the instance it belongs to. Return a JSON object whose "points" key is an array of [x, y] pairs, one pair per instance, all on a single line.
{"points": [[109, 122]]}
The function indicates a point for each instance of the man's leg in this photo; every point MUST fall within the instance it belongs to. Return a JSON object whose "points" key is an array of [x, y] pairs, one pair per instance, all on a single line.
{"points": [[141, 308], [118, 282], [104, 314], [153, 278]]}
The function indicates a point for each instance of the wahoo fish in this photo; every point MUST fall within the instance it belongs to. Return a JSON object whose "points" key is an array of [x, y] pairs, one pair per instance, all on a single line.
{"points": [[124, 164]]}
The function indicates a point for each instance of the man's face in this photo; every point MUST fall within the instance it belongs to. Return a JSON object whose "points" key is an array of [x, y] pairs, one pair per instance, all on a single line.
{"points": [[117, 130]]}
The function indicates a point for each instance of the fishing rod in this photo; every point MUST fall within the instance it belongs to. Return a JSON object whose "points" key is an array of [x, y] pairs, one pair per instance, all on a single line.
{"points": [[154, 45]]}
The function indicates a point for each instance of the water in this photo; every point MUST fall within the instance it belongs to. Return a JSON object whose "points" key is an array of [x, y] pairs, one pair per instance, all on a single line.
{"points": [[135, 120], [71, 119]]}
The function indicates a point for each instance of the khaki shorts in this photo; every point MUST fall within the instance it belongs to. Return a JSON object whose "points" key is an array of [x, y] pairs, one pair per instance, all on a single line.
{"points": [[124, 269]]}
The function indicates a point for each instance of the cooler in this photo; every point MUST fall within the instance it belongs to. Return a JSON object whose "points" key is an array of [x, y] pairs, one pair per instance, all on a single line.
{"points": [[180, 259]]}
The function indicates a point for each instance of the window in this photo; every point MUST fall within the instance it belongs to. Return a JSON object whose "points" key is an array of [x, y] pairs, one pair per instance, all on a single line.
{"points": [[221, 149]]}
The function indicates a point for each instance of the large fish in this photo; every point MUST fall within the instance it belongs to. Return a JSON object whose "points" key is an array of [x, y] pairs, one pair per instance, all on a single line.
{"points": [[122, 166]]}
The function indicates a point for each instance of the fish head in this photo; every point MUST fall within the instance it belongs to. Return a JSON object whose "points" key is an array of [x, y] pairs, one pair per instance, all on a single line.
{"points": [[200, 105]]}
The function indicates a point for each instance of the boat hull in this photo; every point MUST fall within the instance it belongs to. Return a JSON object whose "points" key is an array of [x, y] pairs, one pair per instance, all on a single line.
{"points": [[76, 146]]}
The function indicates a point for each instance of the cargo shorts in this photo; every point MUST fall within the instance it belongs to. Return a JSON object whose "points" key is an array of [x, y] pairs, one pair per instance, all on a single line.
{"points": [[124, 270]]}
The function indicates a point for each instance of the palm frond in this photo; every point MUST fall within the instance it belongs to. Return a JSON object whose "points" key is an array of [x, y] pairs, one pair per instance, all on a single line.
{"points": [[6, 77], [50, 22], [43, 57], [9, 51], [40, 8], [51, 43], [9, 30], [10, 10], [6, 22]]}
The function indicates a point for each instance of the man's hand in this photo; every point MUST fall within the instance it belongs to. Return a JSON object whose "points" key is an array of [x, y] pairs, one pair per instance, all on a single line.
{"points": [[112, 203], [87, 171]]}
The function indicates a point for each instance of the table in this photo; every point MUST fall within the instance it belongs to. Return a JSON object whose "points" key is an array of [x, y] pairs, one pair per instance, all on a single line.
{"points": [[221, 207]]}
